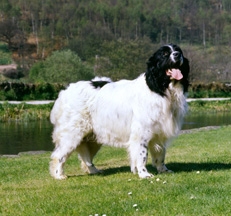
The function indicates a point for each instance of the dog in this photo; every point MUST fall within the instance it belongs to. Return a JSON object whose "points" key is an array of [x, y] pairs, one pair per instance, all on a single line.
{"points": [[140, 114]]}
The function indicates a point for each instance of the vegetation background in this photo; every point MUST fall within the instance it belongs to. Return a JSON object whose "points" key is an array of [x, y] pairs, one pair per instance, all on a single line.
{"points": [[111, 37]]}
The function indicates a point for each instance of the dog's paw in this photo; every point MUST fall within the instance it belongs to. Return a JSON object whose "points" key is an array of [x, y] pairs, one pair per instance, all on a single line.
{"points": [[145, 175], [165, 171], [95, 171], [60, 177], [90, 169]]}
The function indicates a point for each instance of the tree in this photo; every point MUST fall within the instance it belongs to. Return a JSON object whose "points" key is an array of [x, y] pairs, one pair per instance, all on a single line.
{"points": [[62, 66], [123, 59], [11, 34]]}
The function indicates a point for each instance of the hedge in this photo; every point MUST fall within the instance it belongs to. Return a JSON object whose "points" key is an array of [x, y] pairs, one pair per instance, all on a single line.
{"points": [[47, 91], [22, 91]]}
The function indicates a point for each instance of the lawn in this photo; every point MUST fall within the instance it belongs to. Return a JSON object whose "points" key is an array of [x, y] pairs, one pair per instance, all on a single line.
{"points": [[200, 184]]}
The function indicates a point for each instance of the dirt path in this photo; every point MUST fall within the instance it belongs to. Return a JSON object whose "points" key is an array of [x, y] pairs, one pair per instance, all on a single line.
{"points": [[206, 99], [7, 67], [29, 102]]}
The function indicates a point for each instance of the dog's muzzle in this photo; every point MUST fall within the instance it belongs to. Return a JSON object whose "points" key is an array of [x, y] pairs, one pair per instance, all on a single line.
{"points": [[176, 57]]}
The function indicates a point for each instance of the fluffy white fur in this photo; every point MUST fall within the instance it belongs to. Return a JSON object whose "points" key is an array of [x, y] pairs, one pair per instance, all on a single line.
{"points": [[121, 114]]}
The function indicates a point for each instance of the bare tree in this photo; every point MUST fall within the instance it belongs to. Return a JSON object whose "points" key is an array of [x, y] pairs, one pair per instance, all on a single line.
{"points": [[11, 34]]}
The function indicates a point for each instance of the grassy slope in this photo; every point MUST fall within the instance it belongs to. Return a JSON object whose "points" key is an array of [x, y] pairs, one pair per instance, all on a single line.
{"points": [[200, 185]]}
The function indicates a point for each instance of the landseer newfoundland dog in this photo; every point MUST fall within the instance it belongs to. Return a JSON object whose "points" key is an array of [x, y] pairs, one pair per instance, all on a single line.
{"points": [[141, 114]]}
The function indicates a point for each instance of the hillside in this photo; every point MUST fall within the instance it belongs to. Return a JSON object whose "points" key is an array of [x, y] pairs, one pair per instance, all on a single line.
{"points": [[116, 37]]}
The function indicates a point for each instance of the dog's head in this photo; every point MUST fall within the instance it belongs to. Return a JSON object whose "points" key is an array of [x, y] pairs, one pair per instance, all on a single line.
{"points": [[167, 64]]}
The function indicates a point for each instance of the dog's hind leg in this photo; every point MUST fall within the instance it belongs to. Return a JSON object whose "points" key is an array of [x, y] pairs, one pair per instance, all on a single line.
{"points": [[158, 156], [87, 151], [66, 143]]}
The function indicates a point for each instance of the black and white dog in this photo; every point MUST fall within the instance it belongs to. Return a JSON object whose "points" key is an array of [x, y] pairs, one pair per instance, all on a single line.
{"points": [[141, 114]]}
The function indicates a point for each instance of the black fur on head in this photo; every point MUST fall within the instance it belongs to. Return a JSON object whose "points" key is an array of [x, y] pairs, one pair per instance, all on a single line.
{"points": [[167, 57]]}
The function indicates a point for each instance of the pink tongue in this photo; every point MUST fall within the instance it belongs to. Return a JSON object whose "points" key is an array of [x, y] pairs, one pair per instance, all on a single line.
{"points": [[176, 74]]}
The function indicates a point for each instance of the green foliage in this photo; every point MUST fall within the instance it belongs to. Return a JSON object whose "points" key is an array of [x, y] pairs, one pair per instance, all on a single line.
{"points": [[200, 106], [160, 21], [47, 91], [10, 95], [36, 70], [91, 27], [24, 112], [21, 91], [200, 184], [62, 66], [5, 55], [210, 90], [122, 59]]}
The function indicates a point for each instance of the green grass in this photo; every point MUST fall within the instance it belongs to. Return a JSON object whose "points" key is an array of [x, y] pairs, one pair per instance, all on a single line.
{"points": [[200, 184]]}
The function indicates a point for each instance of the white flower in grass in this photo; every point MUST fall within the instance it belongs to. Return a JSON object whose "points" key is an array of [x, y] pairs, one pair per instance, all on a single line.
{"points": [[135, 205], [198, 172], [129, 193], [192, 197], [157, 179], [164, 182]]}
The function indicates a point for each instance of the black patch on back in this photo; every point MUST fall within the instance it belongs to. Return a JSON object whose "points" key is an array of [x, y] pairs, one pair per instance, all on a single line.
{"points": [[99, 84]]}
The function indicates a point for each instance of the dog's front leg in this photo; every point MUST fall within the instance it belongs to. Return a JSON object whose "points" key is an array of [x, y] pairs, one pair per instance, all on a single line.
{"points": [[139, 157]]}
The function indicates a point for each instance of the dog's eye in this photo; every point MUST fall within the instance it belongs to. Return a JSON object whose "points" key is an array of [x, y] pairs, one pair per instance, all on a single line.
{"points": [[165, 54]]}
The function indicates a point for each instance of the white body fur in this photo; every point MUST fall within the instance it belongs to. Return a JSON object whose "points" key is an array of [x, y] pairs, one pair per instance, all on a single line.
{"points": [[121, 114]]}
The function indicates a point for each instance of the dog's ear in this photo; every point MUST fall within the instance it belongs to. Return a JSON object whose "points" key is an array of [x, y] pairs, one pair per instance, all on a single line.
{"points": [[185, 69], [156, 77]]}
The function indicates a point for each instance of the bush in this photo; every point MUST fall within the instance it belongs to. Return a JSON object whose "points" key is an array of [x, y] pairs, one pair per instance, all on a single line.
{"points": [[200, 90], [48, 91], [63, 67], [36, 70], [5, 55], [22, 91]]}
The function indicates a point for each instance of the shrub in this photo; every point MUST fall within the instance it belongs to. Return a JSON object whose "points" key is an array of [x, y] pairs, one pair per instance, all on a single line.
{"points": [[62, 66], [5, 55], [201, 90], [21, 91]]}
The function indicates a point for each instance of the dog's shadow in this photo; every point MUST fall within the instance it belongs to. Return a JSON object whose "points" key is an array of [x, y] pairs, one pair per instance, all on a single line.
{"points": [[175, 167], [193, 166]]}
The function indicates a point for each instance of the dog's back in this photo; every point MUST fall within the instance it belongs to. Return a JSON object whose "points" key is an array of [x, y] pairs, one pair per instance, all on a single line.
{"points": [[76, 95]]}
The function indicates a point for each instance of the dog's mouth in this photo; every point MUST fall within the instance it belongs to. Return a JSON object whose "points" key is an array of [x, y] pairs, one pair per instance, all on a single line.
{"points": [[174, 74]]}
